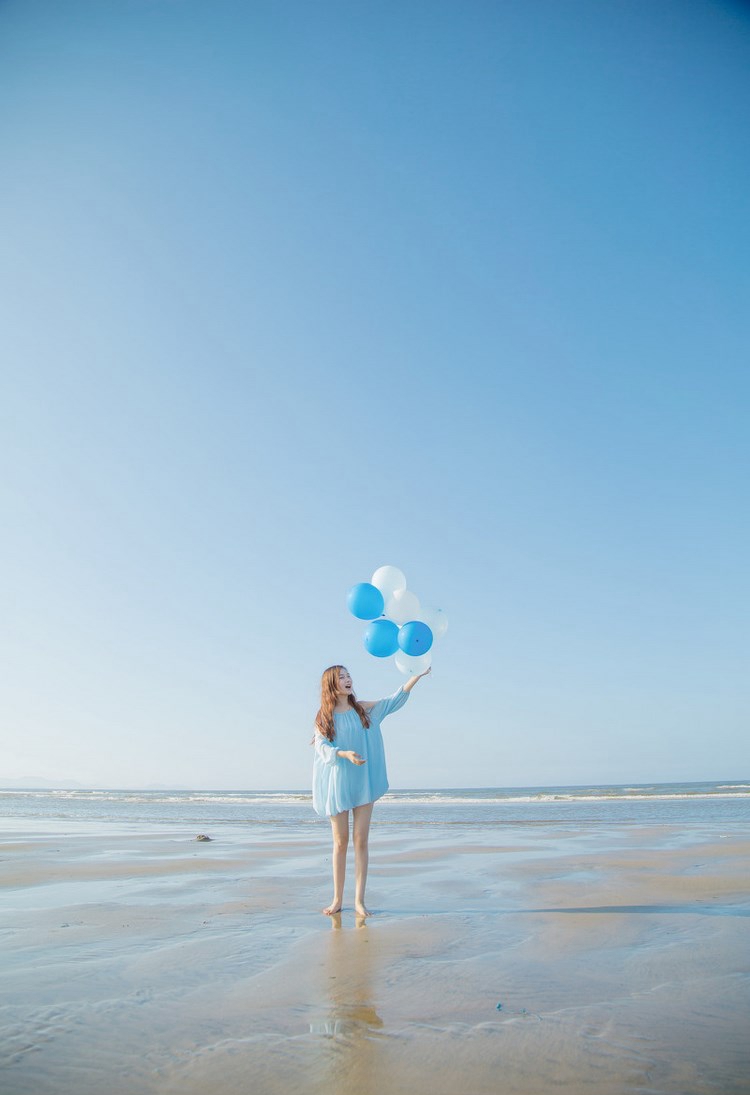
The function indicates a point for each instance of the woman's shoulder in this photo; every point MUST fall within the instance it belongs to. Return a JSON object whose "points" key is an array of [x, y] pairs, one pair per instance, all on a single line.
{"points": [[369, 704]]}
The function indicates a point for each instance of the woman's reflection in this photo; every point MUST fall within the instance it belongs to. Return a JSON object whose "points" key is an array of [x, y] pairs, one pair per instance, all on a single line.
{"points": [[352, 1023]]}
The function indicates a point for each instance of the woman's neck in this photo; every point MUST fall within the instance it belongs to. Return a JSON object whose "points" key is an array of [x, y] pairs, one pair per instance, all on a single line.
{"points": [[342, 704]]}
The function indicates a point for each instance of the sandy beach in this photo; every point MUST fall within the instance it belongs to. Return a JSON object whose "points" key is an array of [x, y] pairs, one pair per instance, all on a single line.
{"points": [[603, 958]]}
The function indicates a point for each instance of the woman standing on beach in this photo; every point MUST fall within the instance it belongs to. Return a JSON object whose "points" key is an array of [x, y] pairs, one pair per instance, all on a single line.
{"points": [[349, 772]]}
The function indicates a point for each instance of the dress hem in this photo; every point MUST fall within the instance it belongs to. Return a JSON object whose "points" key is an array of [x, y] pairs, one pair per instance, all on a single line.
{"points": [[346, 809]]}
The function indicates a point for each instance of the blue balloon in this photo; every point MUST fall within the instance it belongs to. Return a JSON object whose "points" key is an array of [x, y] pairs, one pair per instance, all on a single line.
{"points": [[365, 601], [415, 638], [381, 638]]}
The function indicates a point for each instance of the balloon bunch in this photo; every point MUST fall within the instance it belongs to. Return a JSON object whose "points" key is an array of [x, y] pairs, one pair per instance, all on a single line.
{"points": [[398, 625]]}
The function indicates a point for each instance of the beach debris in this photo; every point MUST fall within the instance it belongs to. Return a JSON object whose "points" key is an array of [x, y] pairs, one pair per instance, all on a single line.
{"points": [[202, 836], [521, 1011]]}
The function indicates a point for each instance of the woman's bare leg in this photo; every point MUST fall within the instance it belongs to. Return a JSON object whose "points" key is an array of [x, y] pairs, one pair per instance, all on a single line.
{"points": [[362, 816], [340, 830]]}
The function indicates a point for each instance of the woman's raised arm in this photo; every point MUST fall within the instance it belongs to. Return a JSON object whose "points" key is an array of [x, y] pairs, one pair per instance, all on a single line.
{"points": [[413, 680]]}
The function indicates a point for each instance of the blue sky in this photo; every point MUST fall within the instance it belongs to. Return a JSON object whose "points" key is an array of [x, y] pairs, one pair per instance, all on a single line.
{"points": [[293, 291]]}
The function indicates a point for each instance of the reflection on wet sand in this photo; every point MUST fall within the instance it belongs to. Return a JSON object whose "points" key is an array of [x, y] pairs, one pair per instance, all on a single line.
{"points": [[352, 1024]]}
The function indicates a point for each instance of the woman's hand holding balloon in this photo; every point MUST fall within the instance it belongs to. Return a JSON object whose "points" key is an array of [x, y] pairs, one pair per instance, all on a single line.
{"points": [[410, 683]]}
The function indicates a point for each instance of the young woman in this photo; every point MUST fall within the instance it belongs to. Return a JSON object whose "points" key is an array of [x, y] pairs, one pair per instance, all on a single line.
{"points": [[349, 772]]}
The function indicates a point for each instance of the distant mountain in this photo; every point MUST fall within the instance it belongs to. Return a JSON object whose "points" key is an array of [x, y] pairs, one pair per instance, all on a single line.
{"points": [[33, 783], [36, 783]]}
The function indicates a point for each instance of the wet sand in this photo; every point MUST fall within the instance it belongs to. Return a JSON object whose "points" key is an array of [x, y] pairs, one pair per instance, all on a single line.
{"points": [[526, 959]]}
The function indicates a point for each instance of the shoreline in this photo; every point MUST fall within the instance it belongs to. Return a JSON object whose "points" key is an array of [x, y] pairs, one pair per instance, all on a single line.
{"points": [[619, 956]]}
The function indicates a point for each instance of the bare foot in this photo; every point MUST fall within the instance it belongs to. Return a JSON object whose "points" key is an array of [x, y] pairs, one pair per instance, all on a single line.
{"points": [[360, 910], [332, 909]]}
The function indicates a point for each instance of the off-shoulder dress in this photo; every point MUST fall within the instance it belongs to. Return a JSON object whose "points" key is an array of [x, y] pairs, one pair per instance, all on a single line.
{"points": [[337, 783]]}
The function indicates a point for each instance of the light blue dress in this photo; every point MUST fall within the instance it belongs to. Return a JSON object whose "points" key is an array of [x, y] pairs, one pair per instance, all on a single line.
{"points": [[337, 783]]}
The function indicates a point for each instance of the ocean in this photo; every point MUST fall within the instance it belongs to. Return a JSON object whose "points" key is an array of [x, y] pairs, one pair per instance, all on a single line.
{"points": [[725, 802]]}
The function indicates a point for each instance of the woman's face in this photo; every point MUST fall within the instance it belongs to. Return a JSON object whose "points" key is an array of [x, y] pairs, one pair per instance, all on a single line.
{"points": [[345, 682]]}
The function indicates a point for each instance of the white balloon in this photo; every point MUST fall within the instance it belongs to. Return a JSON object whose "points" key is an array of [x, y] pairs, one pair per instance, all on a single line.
{"points": [[388, 580], [402, 606], [436, 620], [411, 665]]}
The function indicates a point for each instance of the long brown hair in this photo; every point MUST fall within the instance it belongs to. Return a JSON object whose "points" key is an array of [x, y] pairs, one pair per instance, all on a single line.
{"points": [[329, 693]]}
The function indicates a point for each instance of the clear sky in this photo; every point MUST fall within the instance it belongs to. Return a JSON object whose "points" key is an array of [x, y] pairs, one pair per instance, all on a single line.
{"points": [[291, 291]]}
